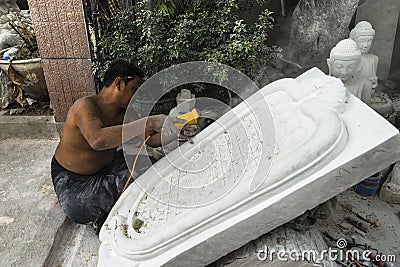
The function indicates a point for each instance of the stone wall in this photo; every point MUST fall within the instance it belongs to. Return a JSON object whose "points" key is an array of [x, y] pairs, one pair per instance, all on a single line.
{"points": [[318, 25]]}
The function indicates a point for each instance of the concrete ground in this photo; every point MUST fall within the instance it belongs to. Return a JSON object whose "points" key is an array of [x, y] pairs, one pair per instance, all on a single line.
{"points": [[34, 229], [29, 212], [385, 237]]}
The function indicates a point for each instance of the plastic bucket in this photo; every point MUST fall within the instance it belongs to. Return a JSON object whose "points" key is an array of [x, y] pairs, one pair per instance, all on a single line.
{"points": [[369, 186]]}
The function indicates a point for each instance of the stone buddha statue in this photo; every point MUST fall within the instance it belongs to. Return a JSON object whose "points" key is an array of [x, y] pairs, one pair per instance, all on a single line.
{"points": [[344, 63], [363, 34]]}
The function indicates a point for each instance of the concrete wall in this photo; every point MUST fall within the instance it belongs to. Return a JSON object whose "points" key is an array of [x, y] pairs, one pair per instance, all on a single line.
{"points": [[63, 44], [384, 16]]}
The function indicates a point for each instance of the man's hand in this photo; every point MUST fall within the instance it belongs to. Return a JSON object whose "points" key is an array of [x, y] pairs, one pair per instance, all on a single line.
{"points": [[164, 124], [162, 129]]}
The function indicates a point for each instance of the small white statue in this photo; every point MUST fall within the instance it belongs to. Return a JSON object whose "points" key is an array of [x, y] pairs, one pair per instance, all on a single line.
{"points": [[185, 101], [363, 34], [344, 63]]}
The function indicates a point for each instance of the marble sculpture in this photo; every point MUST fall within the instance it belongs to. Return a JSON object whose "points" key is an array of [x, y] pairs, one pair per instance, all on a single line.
{"points": [[325, 141], [185, 101], [344, 63], [363, 34]]}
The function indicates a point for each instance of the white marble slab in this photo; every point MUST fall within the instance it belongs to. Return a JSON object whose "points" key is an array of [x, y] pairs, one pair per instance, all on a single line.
{"points": [[242, 180]]}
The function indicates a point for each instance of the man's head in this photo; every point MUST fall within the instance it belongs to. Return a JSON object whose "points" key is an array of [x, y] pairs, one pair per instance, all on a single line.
{"points": [[363, 34], [123, 78], [121, 68], [344, 60]]}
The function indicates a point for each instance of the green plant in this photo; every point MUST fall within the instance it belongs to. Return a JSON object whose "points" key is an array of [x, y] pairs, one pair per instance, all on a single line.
{"points": [[169, 7], [158, 34]]}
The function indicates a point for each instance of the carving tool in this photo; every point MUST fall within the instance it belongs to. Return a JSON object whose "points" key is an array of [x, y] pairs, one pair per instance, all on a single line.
{"points": [[191, 118], [357, 223], [364, 217]]}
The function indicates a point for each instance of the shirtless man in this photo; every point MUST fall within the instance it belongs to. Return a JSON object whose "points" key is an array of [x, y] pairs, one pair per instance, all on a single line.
{"points": [[88, 174]]}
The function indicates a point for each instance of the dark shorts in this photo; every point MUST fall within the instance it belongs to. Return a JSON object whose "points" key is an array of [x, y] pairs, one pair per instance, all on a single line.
{"points": [[88, 199]]}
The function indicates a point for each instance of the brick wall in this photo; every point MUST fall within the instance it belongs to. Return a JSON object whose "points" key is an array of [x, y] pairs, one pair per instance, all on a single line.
{"points": [[63, 44]]}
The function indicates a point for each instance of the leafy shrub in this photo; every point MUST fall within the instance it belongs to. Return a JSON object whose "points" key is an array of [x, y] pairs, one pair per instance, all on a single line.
{"points": [[172, 33]]}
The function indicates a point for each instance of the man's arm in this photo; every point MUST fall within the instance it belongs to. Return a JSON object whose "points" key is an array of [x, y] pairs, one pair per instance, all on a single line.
{"points": [[157, 139], [88, 120]]}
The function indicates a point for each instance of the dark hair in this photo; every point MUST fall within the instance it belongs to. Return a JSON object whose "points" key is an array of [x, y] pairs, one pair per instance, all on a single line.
{"points": [[121, 68]]}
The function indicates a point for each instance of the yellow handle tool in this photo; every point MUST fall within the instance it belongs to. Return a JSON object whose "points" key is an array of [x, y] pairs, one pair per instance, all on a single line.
{"points": [[190, 118]]}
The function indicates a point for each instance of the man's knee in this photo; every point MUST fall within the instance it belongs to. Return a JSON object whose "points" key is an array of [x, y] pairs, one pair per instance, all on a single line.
{"points": [[83, 213]]}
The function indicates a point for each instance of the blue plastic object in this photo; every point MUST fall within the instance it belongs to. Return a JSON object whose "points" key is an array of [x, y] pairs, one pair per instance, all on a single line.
{"points": [[369, 186]]}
